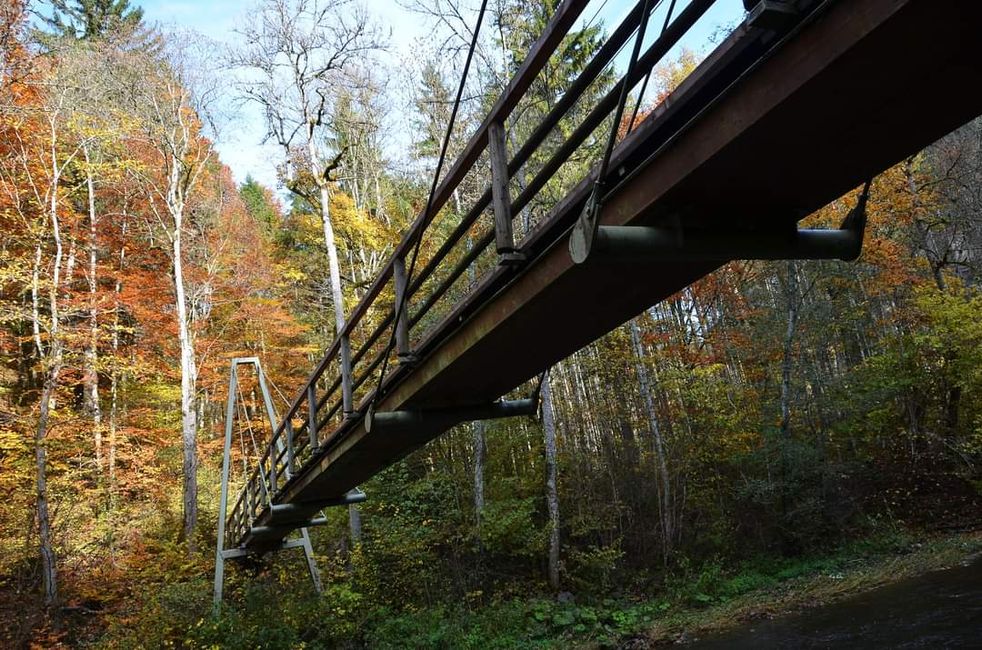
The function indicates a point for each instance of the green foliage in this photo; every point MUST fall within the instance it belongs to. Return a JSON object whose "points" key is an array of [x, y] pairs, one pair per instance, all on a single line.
{"points": [[257, 616], [91, 19], [595, 569], [260, 205], [508, 527], [537, 623]]}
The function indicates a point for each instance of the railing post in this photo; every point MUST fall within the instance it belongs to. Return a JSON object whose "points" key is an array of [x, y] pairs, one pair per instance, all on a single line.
{"points": [[347, 397], [311, 417], [403, 352], [500, 197], [272, 471], [250, 501], [291, 459]]}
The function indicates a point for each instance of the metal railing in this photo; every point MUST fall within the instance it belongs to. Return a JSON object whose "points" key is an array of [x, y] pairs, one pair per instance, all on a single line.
{"points": [[458, 248]]}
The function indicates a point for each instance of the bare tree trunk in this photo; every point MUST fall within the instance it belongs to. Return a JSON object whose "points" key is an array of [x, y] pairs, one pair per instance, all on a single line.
{"points": [[52, 360], [786, 362], [552, 494], [189, 374], [665, 508], [337, 297], [90, 374], [48, 560], [549, 435], [333, 267], [477, 428], [113, 413], [114, 375], [70, 261]]}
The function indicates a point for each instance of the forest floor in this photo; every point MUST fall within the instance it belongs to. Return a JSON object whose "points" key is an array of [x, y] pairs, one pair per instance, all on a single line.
{"points": [[700, 601], [709, 599], [831, 580]]}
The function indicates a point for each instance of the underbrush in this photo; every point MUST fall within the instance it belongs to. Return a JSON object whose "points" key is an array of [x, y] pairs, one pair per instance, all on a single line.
{"points": [[708, 595]]}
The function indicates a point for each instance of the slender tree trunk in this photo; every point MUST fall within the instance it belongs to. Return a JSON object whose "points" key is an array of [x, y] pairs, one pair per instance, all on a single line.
{"points": [[786, 362], [337, 297], [114, 375], [549, 437], [333, 267], [49, 571], [90, 373], [48, 561], [354, 521], [665, 495], [189, 374], [552, 494], [70, 261], [791, 293], [477, 428], [53, 361], [113, 414]]}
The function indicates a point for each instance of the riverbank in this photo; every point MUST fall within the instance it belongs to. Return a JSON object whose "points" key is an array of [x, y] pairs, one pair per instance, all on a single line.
{"points": [[834, 579]]}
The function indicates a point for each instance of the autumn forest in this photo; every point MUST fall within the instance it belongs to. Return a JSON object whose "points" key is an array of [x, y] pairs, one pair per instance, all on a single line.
{"points": [[767, 418]]}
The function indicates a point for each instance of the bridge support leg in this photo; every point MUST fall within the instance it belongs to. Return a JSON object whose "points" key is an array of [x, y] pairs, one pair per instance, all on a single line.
{"points": [[308, 552], [223, 501], [221, 552], [219, 581]]}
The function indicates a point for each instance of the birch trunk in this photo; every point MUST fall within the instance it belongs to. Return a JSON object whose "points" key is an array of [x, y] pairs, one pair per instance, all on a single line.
{"points": [[786, 362], [52, 360], [114, 378], [548, 430], [337, 297], [479, 450], [90, 374], [552, 494], [189, 375], [665, 509], [48, 560]]}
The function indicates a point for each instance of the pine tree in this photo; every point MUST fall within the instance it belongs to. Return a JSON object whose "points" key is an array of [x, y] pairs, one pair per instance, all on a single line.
{"points": [[90, 19], [260, 204]]}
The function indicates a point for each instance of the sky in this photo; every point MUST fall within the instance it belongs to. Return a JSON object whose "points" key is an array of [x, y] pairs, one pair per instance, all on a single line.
{"points": [[240, 142]]}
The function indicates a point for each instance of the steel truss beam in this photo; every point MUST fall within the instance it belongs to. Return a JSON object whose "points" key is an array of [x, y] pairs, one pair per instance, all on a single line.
{"points": [[665, 244], [394, 421], [647, 243]]}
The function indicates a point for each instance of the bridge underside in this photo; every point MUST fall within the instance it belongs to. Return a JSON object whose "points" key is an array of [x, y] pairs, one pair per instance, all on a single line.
{"points": [[766, 140]]}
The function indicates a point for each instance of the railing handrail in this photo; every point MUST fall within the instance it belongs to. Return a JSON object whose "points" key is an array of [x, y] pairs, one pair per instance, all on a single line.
{"points": [[560, 24], [544, 47]]}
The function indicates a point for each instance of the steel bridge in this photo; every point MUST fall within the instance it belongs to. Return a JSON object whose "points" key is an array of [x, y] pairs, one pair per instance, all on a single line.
{"points": [[803, 102]]}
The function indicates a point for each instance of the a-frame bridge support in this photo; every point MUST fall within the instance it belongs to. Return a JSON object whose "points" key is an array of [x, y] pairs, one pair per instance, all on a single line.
{"points": [[221, 552]]}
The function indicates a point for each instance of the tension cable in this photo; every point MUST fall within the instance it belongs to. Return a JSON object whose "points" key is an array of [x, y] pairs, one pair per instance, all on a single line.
{"points": [[401, 304]]}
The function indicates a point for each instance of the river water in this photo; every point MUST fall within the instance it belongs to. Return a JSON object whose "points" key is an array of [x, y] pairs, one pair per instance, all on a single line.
{"points": [[942, 609]]}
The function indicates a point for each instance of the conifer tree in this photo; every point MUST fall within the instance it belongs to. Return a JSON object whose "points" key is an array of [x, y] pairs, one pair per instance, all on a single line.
{"points": [[91, 19]]}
